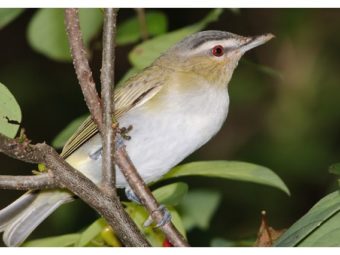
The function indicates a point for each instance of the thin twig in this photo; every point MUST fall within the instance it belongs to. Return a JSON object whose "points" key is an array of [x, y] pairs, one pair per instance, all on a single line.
{"points": [[83, 70], [142, 23], [31, 182], [147, 199], [68, 177], [124, 226], [107, 95]]}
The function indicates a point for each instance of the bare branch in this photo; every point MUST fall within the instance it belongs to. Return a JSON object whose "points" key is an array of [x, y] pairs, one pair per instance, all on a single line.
{"points": [[68, 177], [122, 224], [81, 65], [121, 157], [107, 95], [142, 23], [144, 194], [32, 182]]}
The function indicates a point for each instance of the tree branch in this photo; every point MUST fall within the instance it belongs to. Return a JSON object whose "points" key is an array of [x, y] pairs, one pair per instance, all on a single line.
{"points": [[147, 199], [142, 23], [68, 177], [82, 67], [121, 157], [107, 95], [32, 182], [127, 227]]}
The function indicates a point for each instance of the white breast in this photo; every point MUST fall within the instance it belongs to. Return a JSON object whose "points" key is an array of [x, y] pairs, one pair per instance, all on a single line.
{"points": [[161, 139]]}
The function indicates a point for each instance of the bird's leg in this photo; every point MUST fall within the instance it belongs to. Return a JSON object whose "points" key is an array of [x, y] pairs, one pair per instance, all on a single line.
{"points": [[97, 154], [166, 218], [131, 195]]}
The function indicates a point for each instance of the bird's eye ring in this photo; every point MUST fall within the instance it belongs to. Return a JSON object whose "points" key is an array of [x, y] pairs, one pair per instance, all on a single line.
{"points": [[218, 51]]}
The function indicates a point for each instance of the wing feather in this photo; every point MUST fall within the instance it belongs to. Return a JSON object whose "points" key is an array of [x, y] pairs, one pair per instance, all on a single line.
{"points": [[136, 91]]}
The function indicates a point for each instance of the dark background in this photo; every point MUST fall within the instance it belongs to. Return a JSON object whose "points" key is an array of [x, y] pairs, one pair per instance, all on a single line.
{"points": [[287, 120]]}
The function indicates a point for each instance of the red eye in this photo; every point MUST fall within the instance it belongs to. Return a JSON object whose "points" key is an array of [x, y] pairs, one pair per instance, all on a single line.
{"points": [[217, 51]]}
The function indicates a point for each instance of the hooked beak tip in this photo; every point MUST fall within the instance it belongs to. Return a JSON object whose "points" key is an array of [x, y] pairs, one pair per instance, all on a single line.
{"points": [[255, 41]]}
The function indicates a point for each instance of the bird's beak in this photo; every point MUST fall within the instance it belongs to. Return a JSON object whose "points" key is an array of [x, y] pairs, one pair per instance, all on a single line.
{"points": [[254, 41]]}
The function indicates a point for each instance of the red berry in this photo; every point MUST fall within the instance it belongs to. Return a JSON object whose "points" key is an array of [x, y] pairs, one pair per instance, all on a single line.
{"points": [[166, 243]]}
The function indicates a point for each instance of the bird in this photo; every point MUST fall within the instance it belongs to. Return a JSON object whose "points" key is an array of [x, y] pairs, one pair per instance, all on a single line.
{"points": [[173, 107]]}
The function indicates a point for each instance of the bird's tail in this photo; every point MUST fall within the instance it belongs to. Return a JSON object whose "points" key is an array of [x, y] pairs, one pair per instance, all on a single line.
{"points": [[19, 219]]}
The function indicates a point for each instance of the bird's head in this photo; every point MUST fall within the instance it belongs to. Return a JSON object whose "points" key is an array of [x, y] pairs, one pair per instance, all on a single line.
{"points": [[212, 55]]}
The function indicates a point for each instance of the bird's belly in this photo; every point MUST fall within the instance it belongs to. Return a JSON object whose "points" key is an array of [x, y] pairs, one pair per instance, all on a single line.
{"points": [[159, 140]]}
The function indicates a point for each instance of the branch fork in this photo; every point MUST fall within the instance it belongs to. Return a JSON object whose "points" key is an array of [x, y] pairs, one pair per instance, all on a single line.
{"points": [[60, 174]]}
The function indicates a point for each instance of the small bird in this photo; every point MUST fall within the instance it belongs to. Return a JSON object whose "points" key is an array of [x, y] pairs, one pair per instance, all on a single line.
{"points": [[174, 106]]}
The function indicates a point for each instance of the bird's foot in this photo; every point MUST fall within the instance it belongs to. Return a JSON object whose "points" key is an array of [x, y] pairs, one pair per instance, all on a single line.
{"points": [[132, 196], [166, 217]]}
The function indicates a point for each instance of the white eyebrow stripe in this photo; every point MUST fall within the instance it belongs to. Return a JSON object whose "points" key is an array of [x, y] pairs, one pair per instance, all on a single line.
{"points": [[205, 47]]}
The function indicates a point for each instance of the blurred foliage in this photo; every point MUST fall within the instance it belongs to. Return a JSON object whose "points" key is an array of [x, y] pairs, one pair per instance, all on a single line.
{"points": [[284, 114], [46, 31], [8, 15], [130, 30]]}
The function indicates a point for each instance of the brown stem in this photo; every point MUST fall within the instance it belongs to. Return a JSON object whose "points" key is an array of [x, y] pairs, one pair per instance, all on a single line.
{"points": [[32, 182], [107, 95], [142, 23], [82, 67], [68, 177], [124, 226], [147, 199]]}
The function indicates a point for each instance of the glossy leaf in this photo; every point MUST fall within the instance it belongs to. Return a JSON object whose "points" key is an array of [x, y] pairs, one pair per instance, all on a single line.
{"points": [[65, 134], [198, 207], [145, 53], [232, 170], [7, 15], [91, 232], [129, 31], [319, 226], [139, 216], [171, 194], [10, 113], [57, 241], [46, 31]]}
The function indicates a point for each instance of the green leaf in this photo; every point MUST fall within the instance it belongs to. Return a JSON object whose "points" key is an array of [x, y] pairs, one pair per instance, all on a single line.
{"points": [[198, 207], [57, 241], [7, 15], [139, 216], [171, 194], [91, 232], [221, 242], [317, 226], [177, 221], [10, 113], [327, 235], [233, 170], [65, 134], [46, 31], [335, 169], [129, 31], [145, 53]]}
